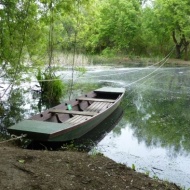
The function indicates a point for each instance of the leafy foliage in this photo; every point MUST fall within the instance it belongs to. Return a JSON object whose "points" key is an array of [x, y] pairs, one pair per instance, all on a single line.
{"points": [[31, 31], [172, 20], [52, 87], [116, 25]]}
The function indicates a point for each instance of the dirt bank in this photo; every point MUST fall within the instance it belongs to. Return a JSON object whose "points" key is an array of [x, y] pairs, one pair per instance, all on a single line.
{"points": [[22, 169]]}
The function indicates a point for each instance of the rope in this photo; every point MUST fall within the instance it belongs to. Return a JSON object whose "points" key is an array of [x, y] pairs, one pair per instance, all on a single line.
{"points": [[13, 138], [166, 58]]}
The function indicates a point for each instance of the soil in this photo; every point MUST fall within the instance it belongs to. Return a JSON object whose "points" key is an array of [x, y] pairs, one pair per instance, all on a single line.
{"points": [[22, 169]]}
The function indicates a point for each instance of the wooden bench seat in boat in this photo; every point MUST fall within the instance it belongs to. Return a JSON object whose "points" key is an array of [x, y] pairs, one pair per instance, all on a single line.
{"points": [[94, 107], [96, 99], [81, 116], [86, 113]]}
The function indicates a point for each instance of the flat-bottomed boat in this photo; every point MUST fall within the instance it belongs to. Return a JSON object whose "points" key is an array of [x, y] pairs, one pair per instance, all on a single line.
{"points": [[73, 119]]}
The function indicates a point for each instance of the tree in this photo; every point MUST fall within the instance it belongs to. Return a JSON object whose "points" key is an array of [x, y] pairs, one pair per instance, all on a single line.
{"points": [[174, 16], [155, 37], [28, 30], [63, 20], [116, 25], [19, 37]]}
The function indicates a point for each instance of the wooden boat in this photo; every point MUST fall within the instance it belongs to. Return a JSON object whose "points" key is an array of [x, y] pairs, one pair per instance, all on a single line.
{"points": [[73, 119]]}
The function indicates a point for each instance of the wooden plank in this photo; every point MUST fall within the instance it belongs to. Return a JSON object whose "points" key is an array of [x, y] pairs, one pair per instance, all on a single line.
{"points": [[93, 106], [78, 119], [73, 119], [99, 107], [96, 99], [105, 106], [73, 112]]}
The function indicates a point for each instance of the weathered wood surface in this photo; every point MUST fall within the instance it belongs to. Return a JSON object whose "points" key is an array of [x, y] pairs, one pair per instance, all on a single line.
{"points": [[96, 99], [73, 112], [78, 119], [98, 106]]}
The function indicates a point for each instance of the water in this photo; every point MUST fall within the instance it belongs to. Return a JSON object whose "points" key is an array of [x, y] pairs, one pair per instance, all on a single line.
{"points": [[153, 133], [154, 160]]}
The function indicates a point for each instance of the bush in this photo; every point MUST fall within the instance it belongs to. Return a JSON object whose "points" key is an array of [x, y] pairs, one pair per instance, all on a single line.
{"points": [[52, 87]]}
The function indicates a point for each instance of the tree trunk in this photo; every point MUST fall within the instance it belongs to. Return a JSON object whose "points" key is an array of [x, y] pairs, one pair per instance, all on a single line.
{"points": [[186, 54], [178, 51], [185, 49], [177, 45]]}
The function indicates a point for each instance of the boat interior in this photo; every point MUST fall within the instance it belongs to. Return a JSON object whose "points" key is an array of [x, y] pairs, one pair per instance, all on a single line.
{"points": [[79, 110]]}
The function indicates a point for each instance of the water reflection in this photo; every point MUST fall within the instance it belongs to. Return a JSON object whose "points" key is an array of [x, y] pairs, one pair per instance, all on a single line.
{"points": [[18, 106], [11, 111], [157, 161], [160, 119]]}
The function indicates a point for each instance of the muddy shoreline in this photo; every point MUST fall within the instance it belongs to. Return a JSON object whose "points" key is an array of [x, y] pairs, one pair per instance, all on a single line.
{"points": [[69, 170]]}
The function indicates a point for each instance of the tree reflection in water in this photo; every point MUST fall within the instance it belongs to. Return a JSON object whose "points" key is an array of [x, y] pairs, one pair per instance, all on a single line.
{"points": [[17, 107], [159, 112]]}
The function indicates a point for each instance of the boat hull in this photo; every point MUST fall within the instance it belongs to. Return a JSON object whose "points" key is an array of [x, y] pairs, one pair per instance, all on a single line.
{"points": [[38, 129], [82, 129]]}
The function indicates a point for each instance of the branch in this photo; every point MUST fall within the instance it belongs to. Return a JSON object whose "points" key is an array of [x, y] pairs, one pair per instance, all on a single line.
{"points": [[185, 42], [182, 50], [174, 38], [20, 54]]}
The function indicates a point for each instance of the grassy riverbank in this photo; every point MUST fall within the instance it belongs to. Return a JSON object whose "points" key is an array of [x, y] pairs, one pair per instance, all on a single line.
{"points": [[136, 61]]}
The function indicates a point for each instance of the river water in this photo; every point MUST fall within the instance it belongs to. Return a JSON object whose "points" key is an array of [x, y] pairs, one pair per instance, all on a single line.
{"points": [[153, 133]]}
